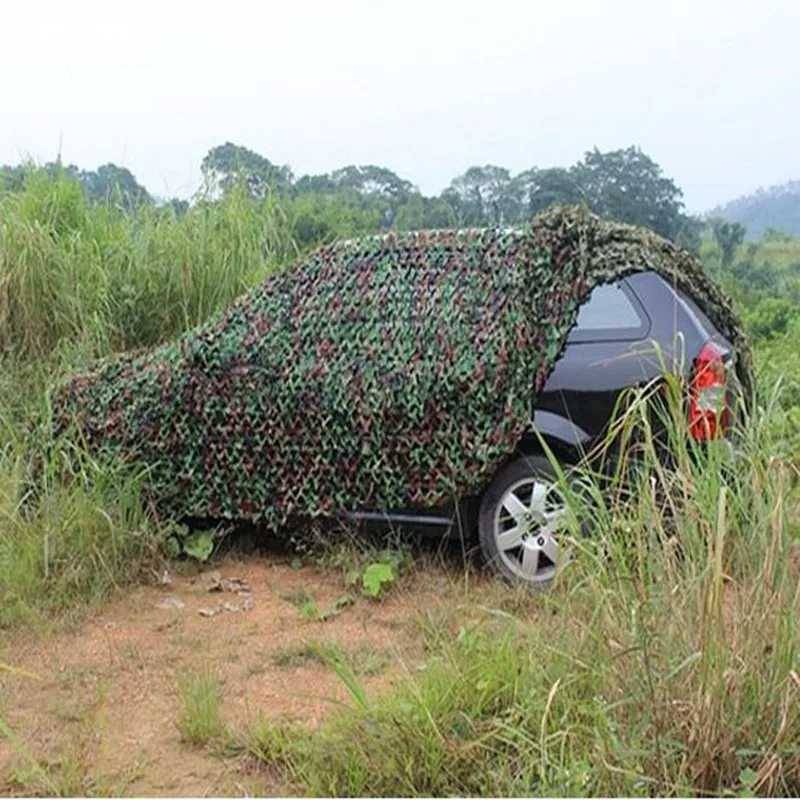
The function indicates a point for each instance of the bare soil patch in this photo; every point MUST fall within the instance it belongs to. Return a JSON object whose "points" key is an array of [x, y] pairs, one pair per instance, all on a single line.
{"points": [[102, 716]]}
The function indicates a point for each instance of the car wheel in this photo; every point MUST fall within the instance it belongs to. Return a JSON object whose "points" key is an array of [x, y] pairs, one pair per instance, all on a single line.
{"points": [[521, 516]]}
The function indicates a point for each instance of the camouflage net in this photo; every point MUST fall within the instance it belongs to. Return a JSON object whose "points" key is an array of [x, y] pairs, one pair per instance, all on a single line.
{"points": [[390, 372]]}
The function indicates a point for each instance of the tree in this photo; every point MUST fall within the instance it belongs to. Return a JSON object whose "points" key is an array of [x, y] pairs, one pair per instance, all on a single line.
{"points": [[438, 213], [773, 234], [483, 195], [113, 184], [411, 215], [321, 184], [371, 180], [775, 207], [538, 189], [689, 234], [228, 163], [420, 212], [628, 186], [107, 184], [316, 218], [368, 187], [728, 235], [12, 179]]}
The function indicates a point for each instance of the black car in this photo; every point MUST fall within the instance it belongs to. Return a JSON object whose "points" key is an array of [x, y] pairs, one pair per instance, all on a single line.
{"points": [[611, 349]]}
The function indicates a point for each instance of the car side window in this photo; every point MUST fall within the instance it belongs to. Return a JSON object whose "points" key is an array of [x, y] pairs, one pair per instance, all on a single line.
{"points": [[611, 313]]}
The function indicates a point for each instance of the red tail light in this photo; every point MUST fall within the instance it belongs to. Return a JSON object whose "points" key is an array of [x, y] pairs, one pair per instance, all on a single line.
{"points": [[708, 413]]}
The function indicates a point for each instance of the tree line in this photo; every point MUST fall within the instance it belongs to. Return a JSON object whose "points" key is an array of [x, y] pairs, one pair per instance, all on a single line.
{"points": [[108, 183], [625, 185]]}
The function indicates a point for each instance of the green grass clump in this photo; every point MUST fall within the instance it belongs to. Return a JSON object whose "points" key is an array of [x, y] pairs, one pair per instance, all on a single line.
{"points": [[70, 537], [200, 721]]}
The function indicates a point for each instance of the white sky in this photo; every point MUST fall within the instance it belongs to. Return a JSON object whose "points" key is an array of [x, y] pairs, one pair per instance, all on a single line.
{"points": [[708, 88]]}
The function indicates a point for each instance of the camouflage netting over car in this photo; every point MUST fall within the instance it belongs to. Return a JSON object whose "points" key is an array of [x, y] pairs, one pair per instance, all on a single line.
{"points": [[389, 372]]}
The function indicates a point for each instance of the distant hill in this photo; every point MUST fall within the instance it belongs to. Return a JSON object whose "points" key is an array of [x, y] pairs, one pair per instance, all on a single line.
{"points": [[776, 207]]}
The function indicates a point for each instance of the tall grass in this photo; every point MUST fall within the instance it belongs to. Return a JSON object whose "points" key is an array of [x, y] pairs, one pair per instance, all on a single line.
{"points": [[665, 661], [85, 534], [90, 275]]}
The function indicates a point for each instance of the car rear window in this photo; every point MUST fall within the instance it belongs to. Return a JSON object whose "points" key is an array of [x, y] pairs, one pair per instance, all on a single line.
{"points": [[610, 313]]}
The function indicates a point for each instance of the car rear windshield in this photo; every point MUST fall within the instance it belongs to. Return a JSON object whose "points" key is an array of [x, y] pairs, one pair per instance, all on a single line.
{"points": [[610, 313]]}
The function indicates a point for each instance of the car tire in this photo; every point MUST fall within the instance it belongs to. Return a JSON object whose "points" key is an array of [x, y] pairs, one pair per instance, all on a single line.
{"points": [[520, 516]]}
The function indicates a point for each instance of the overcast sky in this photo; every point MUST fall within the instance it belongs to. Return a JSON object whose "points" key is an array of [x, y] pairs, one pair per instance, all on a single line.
{"points": [[708, 88]]}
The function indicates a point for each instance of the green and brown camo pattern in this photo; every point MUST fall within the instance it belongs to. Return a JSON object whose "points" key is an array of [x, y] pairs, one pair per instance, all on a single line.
{"points": [[388, 372]]}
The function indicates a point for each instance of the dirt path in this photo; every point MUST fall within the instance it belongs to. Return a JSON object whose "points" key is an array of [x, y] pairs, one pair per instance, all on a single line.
{"points": [[103, 716]]}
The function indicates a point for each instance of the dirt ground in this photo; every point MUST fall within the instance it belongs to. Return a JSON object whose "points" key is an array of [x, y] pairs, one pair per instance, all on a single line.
{"points": [[102, 716]]}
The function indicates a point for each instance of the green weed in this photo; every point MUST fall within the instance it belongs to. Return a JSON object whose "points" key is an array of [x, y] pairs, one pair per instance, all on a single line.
{"points": [[200, 721], [307, 607]]}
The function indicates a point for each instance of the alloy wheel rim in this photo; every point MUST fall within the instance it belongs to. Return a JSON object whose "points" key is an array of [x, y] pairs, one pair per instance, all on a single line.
{"points": [[527, 522]]}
